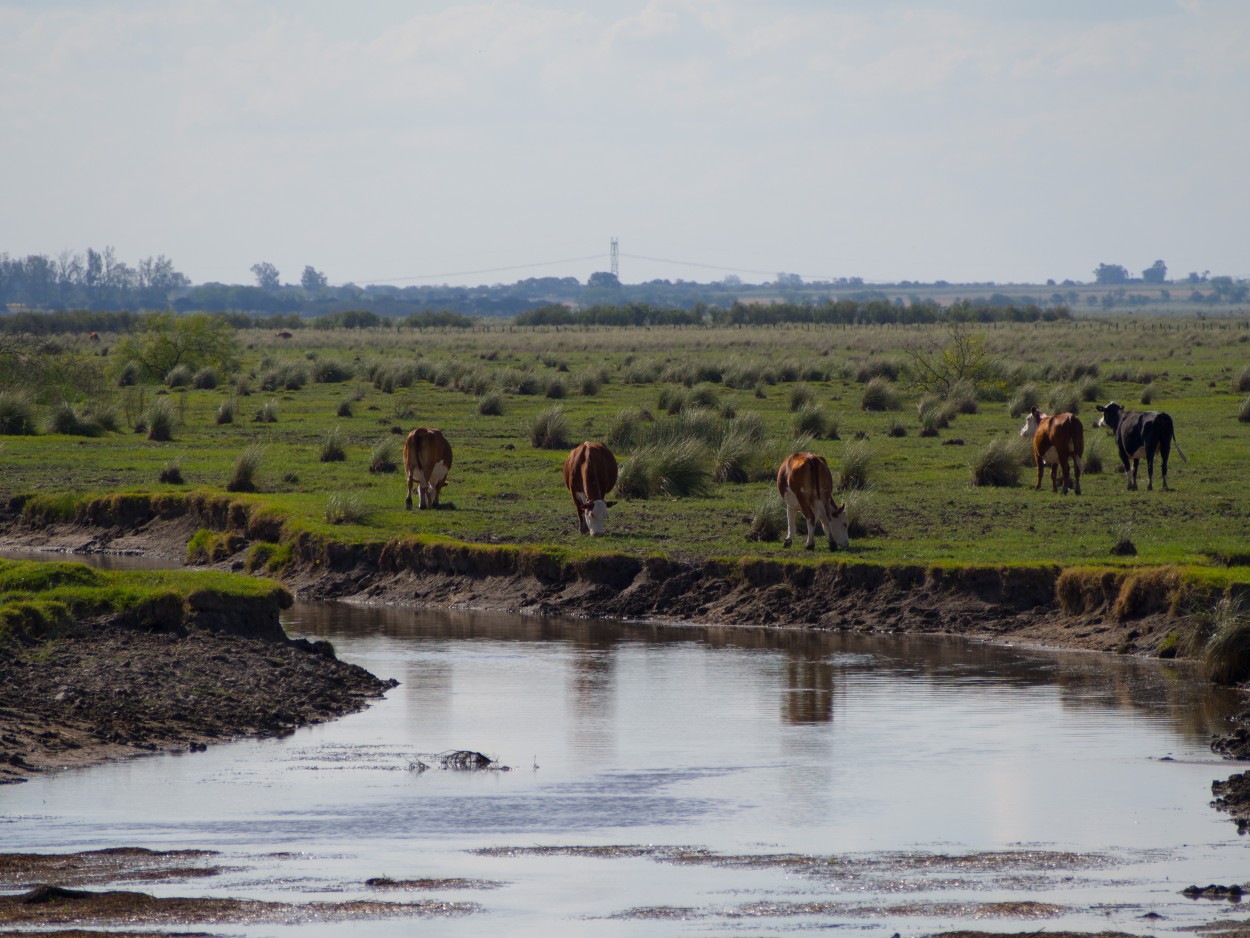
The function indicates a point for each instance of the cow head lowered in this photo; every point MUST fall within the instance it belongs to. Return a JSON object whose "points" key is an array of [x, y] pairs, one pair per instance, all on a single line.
{"points": [[589, 474], [806, 487]]}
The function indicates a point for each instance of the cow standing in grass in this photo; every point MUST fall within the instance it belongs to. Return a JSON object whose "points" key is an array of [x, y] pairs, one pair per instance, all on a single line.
{"points": [[1056, 440], [589, 474], [806, 487], [427, 460], [1141, 434]]}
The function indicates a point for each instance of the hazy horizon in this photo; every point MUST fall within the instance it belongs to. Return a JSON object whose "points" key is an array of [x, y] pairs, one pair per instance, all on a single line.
{"points": [[467, 143]]}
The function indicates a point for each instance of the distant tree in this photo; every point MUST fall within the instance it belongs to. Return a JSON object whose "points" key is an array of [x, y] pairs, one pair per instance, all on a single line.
{"points": [[164, 340], [1155, 273], [789, 280], [603, 279], [1111, 273], [266, 276], [312, 280]]}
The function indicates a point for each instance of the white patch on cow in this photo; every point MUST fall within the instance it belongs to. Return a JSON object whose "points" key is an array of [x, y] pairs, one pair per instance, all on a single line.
{"points": [[1140, 454], [1102, 422], [596, 515], [438, 473], [1030, 426], [792, 507]]}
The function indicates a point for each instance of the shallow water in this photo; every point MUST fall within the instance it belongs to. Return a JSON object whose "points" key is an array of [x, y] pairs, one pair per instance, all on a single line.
{"points": [[887, 755]]}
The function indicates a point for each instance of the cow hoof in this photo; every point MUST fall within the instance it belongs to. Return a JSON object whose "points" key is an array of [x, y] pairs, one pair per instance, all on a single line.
{"points": [[408, 505], [809, 546], [786, 542]]}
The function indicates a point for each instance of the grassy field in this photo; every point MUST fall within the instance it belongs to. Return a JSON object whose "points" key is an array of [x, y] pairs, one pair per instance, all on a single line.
{"points": [[919, 505]]}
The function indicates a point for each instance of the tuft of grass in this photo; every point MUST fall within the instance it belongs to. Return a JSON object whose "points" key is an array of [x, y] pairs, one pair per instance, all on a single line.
{"points": [[159, 418], [856, 463], [349, 508], [768, 522], [678, 468], [1226, 657], [1124, 546], [1241, 384], [206, 379], [68, 419], [1147, 394], [1064, 399], [382, 457], [1092, 464], [733, 455], [267, 412], [490, 404], [1243, 410], [812, 421], [332, 446], [1026, 396], [880, 394], [245, 470], [345, 408], [998, 464], [225, 411], [180, 376], [17, 414], [895, 428], [801, 397], [550, 429], [171, 473]]}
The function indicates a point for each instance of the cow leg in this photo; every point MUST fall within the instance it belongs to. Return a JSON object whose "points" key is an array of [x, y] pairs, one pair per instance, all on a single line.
{"points": [[1164, 446], [1054, 477], [1076, 466], [1133, 478], [811, 532], [408, 500], [1041, 468], [1150, 472], [791, 510], [821, 514]]}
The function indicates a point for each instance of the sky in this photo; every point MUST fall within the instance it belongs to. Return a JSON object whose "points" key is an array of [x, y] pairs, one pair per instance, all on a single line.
{"points": [[416, 143]]}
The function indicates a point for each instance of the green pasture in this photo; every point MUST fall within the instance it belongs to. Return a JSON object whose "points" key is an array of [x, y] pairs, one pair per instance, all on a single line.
{"points": [[920, 505]]}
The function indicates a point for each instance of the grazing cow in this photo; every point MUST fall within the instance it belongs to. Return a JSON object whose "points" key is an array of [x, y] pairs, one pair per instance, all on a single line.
{"points": [[589, 474], [1141, 434], [1055, 440], [282, 334], [93, 336], [806, 485], [427, 460]]}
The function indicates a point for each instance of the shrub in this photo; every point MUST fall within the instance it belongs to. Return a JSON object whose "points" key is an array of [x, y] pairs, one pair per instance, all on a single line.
{"points": [[677, 469], [245, 470], [171, 474], [382, 457], [1000, 462], [159, 419], [490, 404], [180, 376], [205, 379], [332, 447], [17, 414], [349, 508], [225, 411], [880, 394], [550, 429], [856, 461], [1243, 411]]}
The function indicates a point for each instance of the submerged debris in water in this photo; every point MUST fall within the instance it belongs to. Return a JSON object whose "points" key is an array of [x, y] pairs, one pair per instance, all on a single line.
{"points": [[1231, 893], [462, 760]]}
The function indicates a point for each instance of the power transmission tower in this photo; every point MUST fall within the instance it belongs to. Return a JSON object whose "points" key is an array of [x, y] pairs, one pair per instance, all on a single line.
{"points": [[616, 260]]}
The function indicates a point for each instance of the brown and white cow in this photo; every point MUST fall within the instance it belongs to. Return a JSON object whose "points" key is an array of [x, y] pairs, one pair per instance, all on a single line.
{"points": [[806, 486], [1056, 440], [589, 474], [427, 460]]}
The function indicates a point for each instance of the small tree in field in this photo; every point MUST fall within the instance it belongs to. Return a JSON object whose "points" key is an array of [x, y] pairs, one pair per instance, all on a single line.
{"points": [[965, 359]]}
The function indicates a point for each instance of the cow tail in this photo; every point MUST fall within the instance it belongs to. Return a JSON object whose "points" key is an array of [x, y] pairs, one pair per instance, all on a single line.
{"points": [[1177, 444]]}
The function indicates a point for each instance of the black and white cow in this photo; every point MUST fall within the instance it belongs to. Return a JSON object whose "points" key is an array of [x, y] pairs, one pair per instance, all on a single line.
{"points": [[1141, 434]]}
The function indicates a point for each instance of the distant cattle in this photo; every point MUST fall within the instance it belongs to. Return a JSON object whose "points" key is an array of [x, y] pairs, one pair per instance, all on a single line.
{"points": [[1141, 434], [1056, 440], [806, 486], [427, 460], [282, 334], [589, 474], [93, 336]]}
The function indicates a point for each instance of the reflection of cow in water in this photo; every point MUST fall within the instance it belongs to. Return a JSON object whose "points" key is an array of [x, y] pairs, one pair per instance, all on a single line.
{"points": [[427, 460]]}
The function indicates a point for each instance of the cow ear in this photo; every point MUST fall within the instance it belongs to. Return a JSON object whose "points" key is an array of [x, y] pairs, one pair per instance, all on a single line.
{"points": [[1100, 407]]}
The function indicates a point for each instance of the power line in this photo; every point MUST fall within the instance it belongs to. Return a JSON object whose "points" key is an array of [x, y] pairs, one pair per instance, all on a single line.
{"points": [[485, 270]]}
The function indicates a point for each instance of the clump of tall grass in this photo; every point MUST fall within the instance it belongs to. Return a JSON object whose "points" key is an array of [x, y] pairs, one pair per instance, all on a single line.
{"points": [[961, 398], [159, 419], [887, 368], [703, 395], [267, 412], [1124, 546], [225, 411], [550, 429], [813, 421], [128, 374], [382, 457], [1092, 464], [171, 473], [1226, 657], [768, 522], [17, 414], [349, 508], [880, 394], [999, 463], [332, 446], [1243, 410], [1027, 396], [732, 456], [679, 468], [66, 417], [206, 379], [1089, 389], [1241, 384], [557, 389], [244, 472], [490, 404], [1064, 399], [643, 372], [1147, 394], [895, 428], [180, 376], [861, 514], [856, 466], [673, 399], [625, 431], [476, 381], [345, 408], [516, 381], [329, 371], [801, 397], [289, 376], [588, 382]]}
